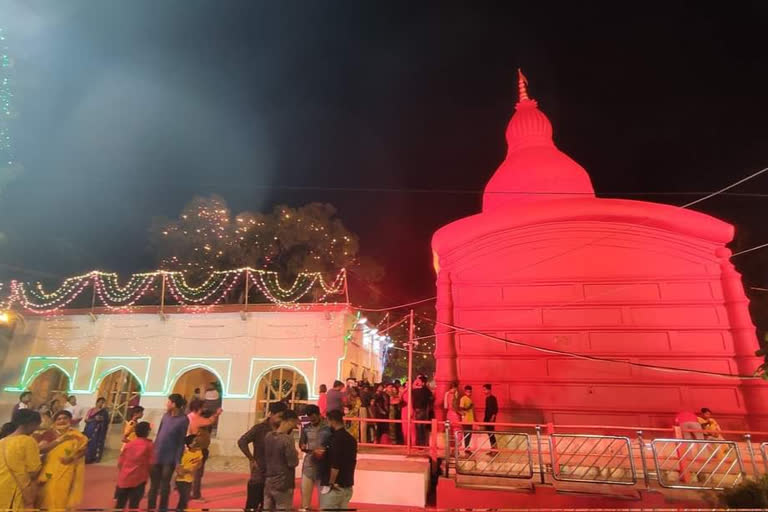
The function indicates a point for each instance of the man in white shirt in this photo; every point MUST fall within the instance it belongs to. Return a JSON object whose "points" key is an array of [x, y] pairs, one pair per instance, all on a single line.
{"points": [[77, 411]]}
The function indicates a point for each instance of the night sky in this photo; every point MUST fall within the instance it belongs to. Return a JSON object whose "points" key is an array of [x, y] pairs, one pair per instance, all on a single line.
{"points": [[127, 109]]}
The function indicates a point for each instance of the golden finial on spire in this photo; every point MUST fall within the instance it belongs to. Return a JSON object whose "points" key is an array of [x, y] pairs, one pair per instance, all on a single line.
{"points": [[522, 85]]}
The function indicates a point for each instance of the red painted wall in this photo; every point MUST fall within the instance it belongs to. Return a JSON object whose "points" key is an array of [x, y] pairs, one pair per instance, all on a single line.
{"points": [[623, 280]]}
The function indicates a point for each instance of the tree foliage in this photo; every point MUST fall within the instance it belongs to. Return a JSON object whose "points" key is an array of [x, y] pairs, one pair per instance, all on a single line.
{"points": [[208, 236]]}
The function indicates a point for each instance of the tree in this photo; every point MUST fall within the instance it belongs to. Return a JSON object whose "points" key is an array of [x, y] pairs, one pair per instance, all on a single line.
{"points": [[207, 237]]}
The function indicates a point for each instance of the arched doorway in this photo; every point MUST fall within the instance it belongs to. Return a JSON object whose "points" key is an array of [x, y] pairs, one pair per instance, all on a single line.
{"points": [[196, 378], [281, 384], [50, 385], [121, 390]]}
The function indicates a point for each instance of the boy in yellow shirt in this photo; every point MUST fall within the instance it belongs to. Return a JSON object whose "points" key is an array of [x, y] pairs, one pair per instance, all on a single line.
{"points": [[185, 473], [467, 410]]}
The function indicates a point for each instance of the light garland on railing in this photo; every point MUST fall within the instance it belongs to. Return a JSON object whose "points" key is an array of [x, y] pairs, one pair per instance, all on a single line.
{"points": [[212, 291], [181, 296]]}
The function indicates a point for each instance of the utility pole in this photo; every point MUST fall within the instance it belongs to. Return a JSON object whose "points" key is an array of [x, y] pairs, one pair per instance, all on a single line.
{"points": [[409, 434], [162, 297], [93, 293], [247, 286]]}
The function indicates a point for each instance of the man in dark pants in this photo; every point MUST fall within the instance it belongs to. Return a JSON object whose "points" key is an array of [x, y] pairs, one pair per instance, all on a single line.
{"points": [[422, 400], [169, 447], [255, 436], [339, 466], [281, 459], [491, 410]]}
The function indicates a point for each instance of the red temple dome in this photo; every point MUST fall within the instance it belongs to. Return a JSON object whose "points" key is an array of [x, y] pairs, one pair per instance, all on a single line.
{"points": [[534, 168]]}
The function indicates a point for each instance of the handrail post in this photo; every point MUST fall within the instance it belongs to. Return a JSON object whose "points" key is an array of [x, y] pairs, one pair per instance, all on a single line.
{"points": [[641, 442], [447, 447], [433, 439], [748, 440], [541, 455]]}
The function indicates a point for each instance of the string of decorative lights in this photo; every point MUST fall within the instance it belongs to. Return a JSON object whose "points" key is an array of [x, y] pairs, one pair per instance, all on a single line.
{"points": [[213, 290]]}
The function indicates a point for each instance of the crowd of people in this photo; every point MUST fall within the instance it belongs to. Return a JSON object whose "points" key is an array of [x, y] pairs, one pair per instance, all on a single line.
{"points": [[382, 401], [330, 458], [44, 451]]}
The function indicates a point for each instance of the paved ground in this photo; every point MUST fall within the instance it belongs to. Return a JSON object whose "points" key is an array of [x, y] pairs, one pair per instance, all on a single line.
{"points": [[224, 486]]}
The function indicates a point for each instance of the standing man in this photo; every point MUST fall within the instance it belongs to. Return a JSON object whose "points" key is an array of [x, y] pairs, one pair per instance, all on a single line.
{"points": [[467, 408], [339, 477], [281, 458], [77, 411], [22, 404], [491, 411], [335, 398], [314, 437], [255, 436], [422, 399], [169, 447]]}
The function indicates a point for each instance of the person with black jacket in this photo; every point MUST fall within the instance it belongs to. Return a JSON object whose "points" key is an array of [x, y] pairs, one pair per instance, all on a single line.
{"points": [[422, 401], [339, 471], [255, 436], [491, 410]]}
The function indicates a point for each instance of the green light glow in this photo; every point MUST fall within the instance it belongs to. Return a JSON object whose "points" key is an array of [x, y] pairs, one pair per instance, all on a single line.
{"points": [[170, 379], [111, 369]]}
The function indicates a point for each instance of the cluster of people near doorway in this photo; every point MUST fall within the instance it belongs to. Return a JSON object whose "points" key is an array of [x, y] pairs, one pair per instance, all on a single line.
{"points": [[364, 403]]}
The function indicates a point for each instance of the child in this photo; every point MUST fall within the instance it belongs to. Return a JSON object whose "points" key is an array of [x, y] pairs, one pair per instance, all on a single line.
{"points": [[185, 473], [134, 462], [129, 430]]}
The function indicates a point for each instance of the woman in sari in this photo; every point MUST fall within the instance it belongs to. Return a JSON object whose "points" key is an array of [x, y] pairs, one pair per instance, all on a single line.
{"points": [[46, 420], [96, 422], [353, 411], [19, 463], [63, 474]]}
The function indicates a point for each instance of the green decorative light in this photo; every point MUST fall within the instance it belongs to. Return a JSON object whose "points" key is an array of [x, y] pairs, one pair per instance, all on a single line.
{"points": [[169, 381], [96, 381]]}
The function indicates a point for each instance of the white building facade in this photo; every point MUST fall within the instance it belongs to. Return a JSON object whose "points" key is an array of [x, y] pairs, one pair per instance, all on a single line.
{"points": [[268, 354]]}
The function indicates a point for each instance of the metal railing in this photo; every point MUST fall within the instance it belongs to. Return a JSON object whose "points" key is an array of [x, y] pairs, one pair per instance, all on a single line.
{"points": [[520, 451], [592, 458], [697, 463], [494, 453]]}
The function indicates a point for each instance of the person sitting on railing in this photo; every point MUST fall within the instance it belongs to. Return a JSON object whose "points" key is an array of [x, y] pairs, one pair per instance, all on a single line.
{"points": [[709, 425], [712, 429]]}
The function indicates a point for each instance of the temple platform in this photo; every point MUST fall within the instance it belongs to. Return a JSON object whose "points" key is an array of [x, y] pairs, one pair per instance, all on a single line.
{"points": [[382, 478]]}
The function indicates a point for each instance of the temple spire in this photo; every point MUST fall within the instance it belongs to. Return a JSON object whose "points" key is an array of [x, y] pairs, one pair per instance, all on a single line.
{"points": [[522, 85]]}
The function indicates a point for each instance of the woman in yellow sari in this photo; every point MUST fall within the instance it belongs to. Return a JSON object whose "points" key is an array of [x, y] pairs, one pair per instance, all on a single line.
{"points": [[19, 463], [353, 411], [63, 474]]}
